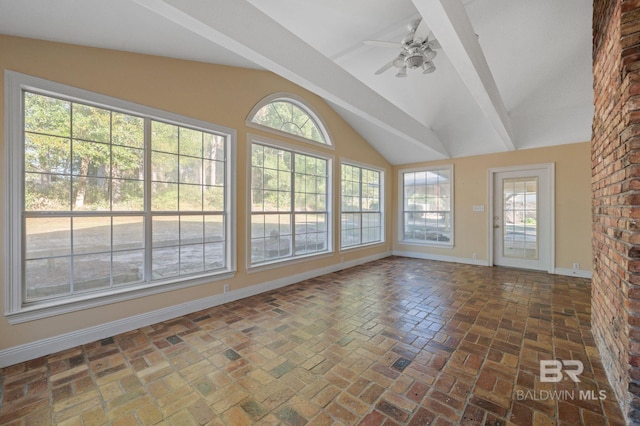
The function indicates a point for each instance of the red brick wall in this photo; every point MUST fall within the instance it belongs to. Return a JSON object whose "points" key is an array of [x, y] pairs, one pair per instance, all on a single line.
{"points": [[615, 158]]}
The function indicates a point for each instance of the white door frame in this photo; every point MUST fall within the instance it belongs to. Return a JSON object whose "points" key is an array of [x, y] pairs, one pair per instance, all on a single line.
{"points": [[550, 169]]}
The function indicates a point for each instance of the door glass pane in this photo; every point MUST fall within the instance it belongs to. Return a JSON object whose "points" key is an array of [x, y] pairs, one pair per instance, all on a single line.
{"points": [[520, 228]]}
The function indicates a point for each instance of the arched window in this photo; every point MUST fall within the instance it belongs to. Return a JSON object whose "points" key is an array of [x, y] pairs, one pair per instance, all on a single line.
{"points": [[284, 113]]}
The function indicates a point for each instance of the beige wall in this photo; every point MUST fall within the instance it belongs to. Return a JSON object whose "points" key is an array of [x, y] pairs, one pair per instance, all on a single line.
{"points": [[471, 180], [217, 94]]}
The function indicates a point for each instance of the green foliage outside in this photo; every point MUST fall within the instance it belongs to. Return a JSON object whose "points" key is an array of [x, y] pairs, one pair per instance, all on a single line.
{"points": [[187, 169], [360, 189], [80, 157], [274, 171], [290, 118]]}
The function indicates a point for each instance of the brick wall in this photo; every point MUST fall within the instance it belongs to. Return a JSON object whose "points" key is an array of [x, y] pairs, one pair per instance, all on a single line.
{"points": [[615, 160]]}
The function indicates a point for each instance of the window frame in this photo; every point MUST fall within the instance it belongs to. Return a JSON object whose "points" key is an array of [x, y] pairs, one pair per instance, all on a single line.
{"points": [[299, 102], [401, 211], [381, 202], [303, 150], [15, 308]]}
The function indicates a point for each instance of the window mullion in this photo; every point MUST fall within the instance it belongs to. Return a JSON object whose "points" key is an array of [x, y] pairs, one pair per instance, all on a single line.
{"points": [[178, 212], [293, 204], [148, 219], [360, 202], [71, 201], [111, 283], [360, 189], [204, 214]]}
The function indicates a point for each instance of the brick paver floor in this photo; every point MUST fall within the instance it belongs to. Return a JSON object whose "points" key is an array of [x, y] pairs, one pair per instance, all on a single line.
{"points": [[397, 341]]}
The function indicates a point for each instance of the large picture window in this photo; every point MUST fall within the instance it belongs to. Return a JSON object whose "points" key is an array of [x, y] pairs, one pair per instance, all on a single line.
{"points": [[427, 205], [113, 199], [289, 204], [361, 217]]}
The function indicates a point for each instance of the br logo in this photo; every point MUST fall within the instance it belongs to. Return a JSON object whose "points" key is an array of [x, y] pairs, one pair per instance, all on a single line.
{"points": [[552, 370]]}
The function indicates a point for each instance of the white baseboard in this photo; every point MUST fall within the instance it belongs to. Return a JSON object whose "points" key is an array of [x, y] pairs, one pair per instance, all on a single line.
{"points": [[442, 258], [573, 272], [558, 271], [32, 350]]}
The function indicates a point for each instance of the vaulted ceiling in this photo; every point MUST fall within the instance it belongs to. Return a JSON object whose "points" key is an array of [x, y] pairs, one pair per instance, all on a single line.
{"points": [[511, 74]]}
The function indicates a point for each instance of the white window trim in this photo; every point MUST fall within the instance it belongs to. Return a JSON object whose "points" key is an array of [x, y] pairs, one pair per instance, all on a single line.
{"points": [[261, 140], [298, 101], [382, 205], [14, 308], [401, 240]]}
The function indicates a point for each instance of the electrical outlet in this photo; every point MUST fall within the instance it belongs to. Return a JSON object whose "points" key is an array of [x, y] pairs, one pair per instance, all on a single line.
{"points": [[226, 288], [475, 256], [576, 266]]}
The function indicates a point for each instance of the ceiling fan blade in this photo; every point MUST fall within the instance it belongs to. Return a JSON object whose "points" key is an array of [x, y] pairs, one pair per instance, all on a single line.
{"points": [[413, 25], [422, 32], [434, 44], [385, 67], [381, 43]]}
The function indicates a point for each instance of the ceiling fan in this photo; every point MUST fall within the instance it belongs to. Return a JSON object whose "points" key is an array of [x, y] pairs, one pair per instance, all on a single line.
{"points": [[417, 51]]}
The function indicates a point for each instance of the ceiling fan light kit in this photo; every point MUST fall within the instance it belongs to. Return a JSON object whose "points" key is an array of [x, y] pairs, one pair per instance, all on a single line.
{"points": [[399, 61], [428, 68], [415, 60], [428, 53], [416, 52]]}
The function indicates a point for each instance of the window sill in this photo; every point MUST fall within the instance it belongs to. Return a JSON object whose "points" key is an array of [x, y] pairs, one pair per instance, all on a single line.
{"points": [[279, 263], [362, 246], [422, 243], [39, 310]]}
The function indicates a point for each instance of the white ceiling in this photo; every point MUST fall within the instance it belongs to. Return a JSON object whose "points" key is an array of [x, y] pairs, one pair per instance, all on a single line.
{"points": [[511, 74]]}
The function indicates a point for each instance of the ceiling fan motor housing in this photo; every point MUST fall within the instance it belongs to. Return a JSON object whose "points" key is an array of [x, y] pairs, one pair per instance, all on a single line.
{"points": [[414, 60]]}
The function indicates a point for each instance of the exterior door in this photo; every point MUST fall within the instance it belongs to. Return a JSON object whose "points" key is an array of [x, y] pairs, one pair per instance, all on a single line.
{"points": [[522, 218]]}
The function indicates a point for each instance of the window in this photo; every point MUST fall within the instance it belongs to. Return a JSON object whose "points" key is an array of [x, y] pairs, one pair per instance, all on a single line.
{"points": [[289, 204], [361, 219], [187, 201], [283, 113], [427, 206], [116, 197]]}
